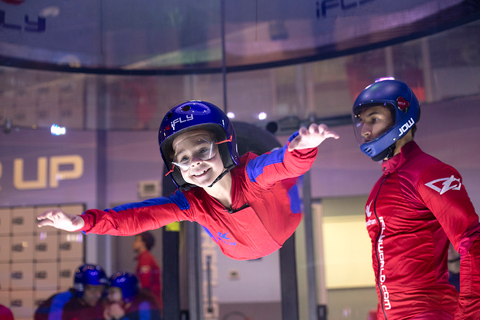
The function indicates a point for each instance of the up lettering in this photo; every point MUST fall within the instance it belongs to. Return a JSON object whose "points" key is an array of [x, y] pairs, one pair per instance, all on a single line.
{"points": [[74, 170]]}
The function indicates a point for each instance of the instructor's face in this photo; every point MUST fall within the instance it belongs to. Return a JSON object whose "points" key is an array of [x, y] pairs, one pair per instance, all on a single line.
{"points": [[374, 122]]}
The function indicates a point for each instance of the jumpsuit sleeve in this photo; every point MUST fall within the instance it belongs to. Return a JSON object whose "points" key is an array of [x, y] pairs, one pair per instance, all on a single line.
{"points": [[147, 311], [441, 188], [134, 218], [280, 164]]}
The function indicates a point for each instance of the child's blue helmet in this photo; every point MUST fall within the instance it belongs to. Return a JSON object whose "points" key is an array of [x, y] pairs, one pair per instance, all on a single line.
{"points": [[192, 115], [405, 110], [128, 283], [88, 274]]}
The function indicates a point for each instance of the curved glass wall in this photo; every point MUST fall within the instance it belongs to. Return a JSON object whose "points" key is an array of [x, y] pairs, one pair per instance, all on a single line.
{"points": [[165, 37], [438, 67]]}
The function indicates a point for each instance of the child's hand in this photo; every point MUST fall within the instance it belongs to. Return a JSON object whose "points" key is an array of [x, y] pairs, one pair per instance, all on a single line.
{"points": [[107, 315], [312, 137], [60, 220], [115, 311]]}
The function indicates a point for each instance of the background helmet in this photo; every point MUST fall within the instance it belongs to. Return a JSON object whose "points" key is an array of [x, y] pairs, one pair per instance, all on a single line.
{"points": [[192, 115], [88, 274], [128, 283], [405, 110]]}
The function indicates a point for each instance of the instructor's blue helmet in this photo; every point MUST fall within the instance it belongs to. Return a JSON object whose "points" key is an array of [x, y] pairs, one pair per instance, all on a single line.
{"points": [[88, 274], [405, 110], [193, 115], [128, 283]]}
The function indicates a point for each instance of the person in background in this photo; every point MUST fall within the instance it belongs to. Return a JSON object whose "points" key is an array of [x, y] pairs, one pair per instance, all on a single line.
{"points": [[148, 270], [5, 313], [82, 302], [248, 205], [127, 301], [417, 207]]}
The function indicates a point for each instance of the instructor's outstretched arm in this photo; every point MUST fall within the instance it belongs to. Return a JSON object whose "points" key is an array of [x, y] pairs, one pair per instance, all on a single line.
{"points": [[61, 220]]}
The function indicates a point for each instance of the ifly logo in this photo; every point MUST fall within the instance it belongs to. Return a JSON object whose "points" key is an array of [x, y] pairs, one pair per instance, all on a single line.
{"points": [[337, 7], [189, 117], [223, 238], [406, 127]]}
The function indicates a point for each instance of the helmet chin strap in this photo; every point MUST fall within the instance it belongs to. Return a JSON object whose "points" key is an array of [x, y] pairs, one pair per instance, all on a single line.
{"points": [[221, 176], [387, 153]]}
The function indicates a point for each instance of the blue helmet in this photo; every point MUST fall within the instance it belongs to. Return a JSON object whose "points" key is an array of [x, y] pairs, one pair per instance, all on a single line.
{"points": [[405, 110], [192, 115], [127, 282], [88, 274]]}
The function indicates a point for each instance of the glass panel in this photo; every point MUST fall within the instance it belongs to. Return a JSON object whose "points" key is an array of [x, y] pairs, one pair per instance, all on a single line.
{"points": [[120, 36]]}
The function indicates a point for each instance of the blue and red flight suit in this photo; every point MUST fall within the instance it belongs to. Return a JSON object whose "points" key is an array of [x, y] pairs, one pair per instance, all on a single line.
{"points": [[265, 210]]}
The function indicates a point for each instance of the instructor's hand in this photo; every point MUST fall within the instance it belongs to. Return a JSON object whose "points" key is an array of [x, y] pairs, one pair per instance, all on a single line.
{"points": [[60, 220], [311, 137]]}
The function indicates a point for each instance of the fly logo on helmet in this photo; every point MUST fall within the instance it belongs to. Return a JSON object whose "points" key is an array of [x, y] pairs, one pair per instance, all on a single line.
{"points": [[189, 117], [192, 115]]}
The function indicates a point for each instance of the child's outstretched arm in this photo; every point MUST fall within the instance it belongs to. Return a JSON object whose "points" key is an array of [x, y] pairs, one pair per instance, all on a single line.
{"points": [[60, 220], [311, 137], [291, 161], [124, 220]]}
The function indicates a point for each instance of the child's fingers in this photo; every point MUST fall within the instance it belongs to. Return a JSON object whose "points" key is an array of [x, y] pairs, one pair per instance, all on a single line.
{"points": [[332, 134], [314, 128], [45, 215], [45, 223], [301, 132], [323, 130]]}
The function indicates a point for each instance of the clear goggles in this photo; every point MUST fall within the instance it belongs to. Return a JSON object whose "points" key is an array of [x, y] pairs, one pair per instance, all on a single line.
{"points": [[203, 150], [200, 149]]}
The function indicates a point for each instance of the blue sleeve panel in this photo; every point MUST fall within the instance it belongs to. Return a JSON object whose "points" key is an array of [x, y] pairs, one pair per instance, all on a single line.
{"points": [[144, 311], [57, 305], [295, 202], [256, 166], [177, 198]]}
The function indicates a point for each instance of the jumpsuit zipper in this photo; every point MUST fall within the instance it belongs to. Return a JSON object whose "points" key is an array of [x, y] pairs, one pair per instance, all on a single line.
{"points": [[376, 248]]}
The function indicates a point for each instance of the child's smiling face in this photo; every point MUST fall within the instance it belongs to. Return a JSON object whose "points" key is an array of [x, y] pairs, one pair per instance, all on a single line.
{"points": [[196, 154]]}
